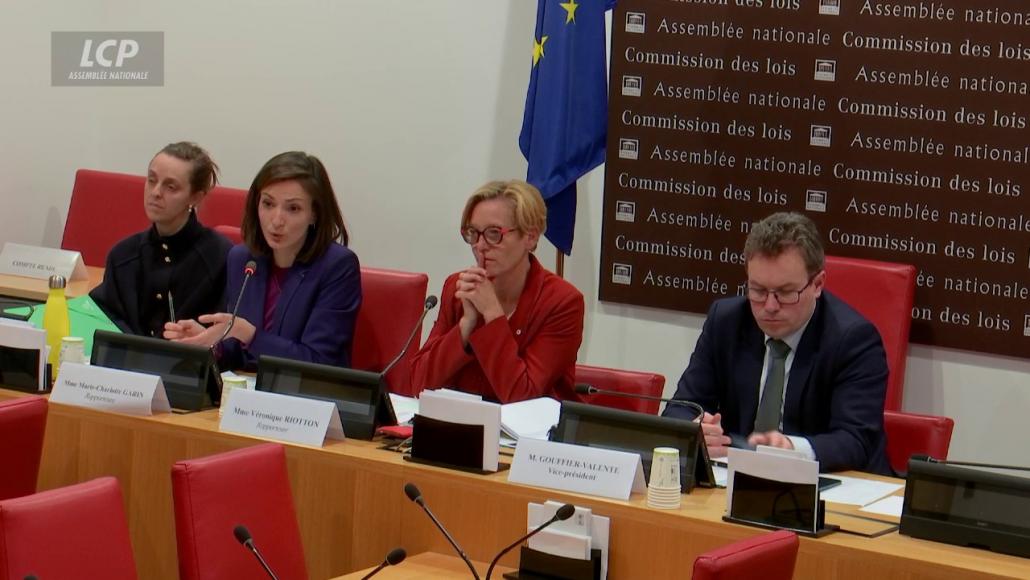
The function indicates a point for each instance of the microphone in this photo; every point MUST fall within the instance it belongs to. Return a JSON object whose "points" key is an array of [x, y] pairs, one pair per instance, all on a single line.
{"points": [[584, 389], [396, 556], [429, 305], [243, 537], [411, 490], [248, 270], [928, 459], [564, 512]]}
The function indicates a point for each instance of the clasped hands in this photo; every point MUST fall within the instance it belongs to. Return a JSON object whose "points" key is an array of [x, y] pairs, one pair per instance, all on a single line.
{"points": [[718, 442], [478, 299], [190, 331]]}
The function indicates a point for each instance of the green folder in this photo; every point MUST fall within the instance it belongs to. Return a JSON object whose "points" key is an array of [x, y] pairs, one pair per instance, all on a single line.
{"points": [[83, 314]]}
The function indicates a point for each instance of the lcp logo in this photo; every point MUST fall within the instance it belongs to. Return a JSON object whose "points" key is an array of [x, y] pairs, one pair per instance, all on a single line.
{"points": [[127, 48], [107, 59]]}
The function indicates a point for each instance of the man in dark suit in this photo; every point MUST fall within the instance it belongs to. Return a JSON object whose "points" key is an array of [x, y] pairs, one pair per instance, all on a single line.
{"points": [[789, 365]]}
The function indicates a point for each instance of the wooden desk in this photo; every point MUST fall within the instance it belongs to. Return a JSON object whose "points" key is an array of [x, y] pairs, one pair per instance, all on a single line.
{"points": [[352, 509], [428, 566], [37, 289]]}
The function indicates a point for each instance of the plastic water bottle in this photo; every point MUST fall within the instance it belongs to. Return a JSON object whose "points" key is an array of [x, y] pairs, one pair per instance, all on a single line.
{"points": [[55, 321]]}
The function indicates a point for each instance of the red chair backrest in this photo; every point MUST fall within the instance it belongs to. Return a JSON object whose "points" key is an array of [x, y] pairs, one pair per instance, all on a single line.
{"points": [[222, 206], [911, 433], [105, 208], [22, 425], [77, 531], [769, 557], [391, 302], [637, 382], [232, 233], [214, 494], [882, 292]]}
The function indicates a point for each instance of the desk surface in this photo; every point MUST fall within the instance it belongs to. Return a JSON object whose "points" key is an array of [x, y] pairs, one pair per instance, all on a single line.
{"points": [[427, 566], [352, 509], [37, 288]]}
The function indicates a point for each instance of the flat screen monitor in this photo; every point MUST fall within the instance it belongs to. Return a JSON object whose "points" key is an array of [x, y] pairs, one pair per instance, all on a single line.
{"points": [[632, 432], [188, 372], [360, 396]]}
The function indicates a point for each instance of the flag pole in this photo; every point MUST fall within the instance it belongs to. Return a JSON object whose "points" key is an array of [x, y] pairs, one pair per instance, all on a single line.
{"points": [[559, 263]]}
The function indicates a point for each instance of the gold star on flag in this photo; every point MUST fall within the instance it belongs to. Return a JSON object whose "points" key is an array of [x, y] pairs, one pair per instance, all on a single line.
{"points": [[538, 50], [570, 7]]}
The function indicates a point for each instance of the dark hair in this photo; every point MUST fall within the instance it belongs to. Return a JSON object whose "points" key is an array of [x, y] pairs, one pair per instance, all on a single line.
{"points": [[781, 231], [309, 172], [204, 171]]}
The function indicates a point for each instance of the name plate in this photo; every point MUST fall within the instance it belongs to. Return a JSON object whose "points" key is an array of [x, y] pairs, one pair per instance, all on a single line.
{"points": [[587, 470], [37, 262], [107, 389], [281, 417]]}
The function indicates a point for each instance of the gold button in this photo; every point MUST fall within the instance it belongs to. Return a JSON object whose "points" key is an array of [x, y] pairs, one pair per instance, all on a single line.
{"points": [[167, 259], [164, 246], [159, 296]]}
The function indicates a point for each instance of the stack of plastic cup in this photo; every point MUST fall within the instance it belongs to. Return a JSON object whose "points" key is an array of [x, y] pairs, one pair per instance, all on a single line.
{"points": [[228, 384], [663, 491]]}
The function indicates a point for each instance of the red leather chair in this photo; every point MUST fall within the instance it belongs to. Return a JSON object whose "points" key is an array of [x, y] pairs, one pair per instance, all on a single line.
{"points": [[232, 233], [391, 303], [223, 206], [883, 292], [640, 383], [769, 557], [214, 494], [22, 424], [77, 531], [911, 433], [105, 208]]}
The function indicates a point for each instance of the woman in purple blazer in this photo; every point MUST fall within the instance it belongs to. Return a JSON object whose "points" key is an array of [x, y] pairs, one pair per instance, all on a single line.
{"points": [[302, 300]]}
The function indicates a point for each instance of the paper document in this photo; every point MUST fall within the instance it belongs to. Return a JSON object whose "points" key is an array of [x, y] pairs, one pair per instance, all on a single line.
{"points": [[888, 506], [533, 418], [858, 491], [404, 407]]}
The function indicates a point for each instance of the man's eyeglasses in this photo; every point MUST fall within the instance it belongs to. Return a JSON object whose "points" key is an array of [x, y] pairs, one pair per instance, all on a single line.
{"points": [[493, 234], [783, 297]]}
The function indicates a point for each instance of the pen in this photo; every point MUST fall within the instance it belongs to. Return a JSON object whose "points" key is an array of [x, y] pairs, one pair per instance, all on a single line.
{"points": [[171, 307]]}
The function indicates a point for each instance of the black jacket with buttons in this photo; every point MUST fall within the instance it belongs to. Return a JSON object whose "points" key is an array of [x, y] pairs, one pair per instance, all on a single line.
{"points": [[144, 268]]}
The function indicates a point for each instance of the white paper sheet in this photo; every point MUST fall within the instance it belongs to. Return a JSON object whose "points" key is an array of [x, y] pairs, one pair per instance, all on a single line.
{"points": [[857, 491], [404, 407], [888, 506], [532, 418]]}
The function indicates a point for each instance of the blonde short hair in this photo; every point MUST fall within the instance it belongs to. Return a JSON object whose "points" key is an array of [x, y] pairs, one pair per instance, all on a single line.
{"points": [[527, 204]]}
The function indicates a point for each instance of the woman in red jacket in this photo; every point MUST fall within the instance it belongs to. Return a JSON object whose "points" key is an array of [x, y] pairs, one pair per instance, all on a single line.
{"points": [[508, 329]]}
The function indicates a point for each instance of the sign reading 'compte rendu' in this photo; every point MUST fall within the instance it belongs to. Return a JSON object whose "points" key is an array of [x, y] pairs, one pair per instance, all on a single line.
{"points": [[98, 59]]}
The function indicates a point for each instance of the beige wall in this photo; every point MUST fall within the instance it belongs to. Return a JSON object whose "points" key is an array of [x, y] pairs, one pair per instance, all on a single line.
{"points": [[411, 104]]}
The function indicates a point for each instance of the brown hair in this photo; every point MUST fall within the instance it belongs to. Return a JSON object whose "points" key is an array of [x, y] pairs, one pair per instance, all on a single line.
{"points": [[203, 172], [782, 231], [527, 204], [309, 172]]}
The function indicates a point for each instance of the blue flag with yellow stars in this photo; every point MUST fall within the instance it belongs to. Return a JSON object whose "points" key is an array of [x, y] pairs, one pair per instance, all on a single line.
{"points": [[565, 123]]}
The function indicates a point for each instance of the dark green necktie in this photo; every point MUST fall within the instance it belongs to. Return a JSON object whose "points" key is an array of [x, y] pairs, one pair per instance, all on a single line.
{"points": [[768, 418]]}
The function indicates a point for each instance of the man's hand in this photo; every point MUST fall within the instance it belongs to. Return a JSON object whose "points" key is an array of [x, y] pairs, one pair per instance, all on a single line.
{"points": [[772, 439], [715, 439]]}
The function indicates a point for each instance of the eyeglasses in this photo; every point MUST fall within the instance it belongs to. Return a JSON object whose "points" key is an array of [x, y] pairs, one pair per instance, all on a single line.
{"points": [[783, 297], [493, 234]]}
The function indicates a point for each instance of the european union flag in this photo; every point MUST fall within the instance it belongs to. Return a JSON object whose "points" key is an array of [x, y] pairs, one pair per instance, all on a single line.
{"points": [[565, 123]]}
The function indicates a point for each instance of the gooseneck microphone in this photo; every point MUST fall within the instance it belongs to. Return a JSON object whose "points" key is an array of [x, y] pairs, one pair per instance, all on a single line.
{"points": [[411, 490], [396, 556], [928, 459], [243, 537], [429, 305], [564, 512], [585, 389], [248, 270]]}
